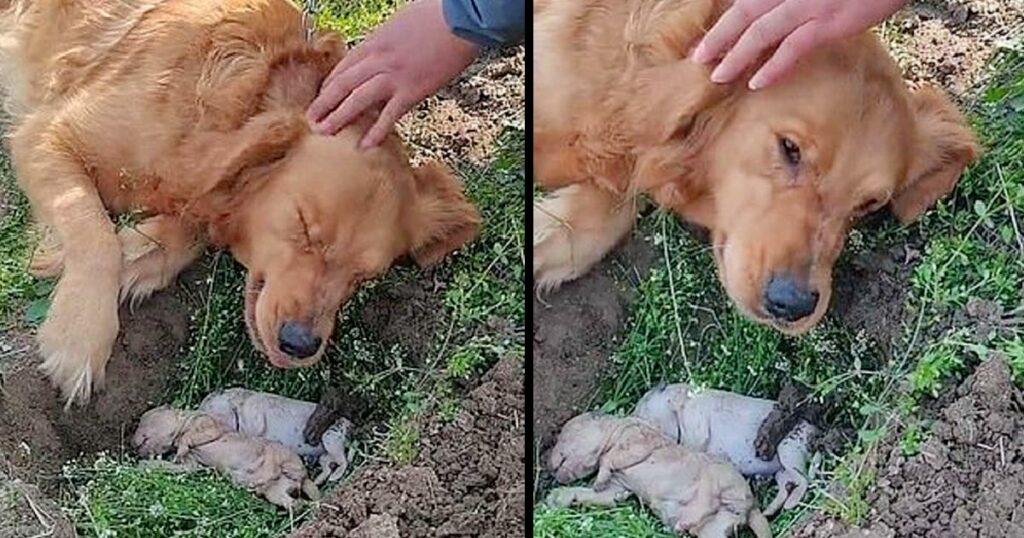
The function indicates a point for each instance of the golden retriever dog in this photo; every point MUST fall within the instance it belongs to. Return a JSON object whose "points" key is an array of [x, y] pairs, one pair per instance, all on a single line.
{"points": [[188, 115], [777, 176]]}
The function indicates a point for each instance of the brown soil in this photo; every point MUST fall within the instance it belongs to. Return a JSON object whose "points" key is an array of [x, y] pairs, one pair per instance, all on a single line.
{"points": [[464, 121], [968, 479], [950, 42], [407, 313], [575, 330], [869, 293], [38, 436], [466, 481], [27, 512]]}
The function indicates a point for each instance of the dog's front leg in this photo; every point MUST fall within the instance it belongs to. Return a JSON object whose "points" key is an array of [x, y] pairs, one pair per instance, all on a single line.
{"points": [[574, 228], [76, 339], [609, 496]]}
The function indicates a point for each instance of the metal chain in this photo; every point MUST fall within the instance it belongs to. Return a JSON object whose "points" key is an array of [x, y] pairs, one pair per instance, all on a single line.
{"points": [[310, 9]]}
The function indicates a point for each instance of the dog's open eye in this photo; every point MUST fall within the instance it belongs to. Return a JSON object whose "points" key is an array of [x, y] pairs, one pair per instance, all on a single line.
{"points": [[790, 151]]}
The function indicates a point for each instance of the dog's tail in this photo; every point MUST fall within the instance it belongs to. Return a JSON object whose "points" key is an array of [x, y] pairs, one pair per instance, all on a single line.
{"points": [[759, 524]]}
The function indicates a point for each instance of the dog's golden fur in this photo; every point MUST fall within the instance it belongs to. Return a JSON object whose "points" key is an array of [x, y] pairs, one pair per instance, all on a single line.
{"points": [[189, 114], [621, 111]]}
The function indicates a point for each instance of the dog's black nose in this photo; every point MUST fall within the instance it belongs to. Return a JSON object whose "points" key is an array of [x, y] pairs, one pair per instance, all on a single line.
{"points": [[297, 340], [787, 299]]}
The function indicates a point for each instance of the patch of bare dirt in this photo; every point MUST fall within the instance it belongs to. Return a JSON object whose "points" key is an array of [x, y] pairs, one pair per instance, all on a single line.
{"points": [[967, 480], [950, 42], [407, 313], [575, 330], [869, 292], [464, 121], [467, 480], [38, 436], [26, 512]]}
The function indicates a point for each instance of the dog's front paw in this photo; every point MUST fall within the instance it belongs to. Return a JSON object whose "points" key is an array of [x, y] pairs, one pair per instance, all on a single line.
{"points": [[77, 337], [153, 253], [553, 257]]}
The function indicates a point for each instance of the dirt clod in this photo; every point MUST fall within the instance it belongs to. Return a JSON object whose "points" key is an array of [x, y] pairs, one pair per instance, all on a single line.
{"points": [[466, 481], [793, 405]]}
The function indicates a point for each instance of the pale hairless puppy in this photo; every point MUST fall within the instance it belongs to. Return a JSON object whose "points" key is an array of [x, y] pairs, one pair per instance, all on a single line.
{"points": [[725, 425], [282, 420], [689, 490], [270, 469]]}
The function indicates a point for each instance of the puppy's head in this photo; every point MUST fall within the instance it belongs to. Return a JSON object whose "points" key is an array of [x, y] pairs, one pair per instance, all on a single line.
{"points": [[580, 445], [158, 429], [312, 217], [780, 175]]}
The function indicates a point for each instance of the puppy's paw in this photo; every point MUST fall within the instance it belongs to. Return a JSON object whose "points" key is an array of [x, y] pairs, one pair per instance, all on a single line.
{"points": [[77, 337]]}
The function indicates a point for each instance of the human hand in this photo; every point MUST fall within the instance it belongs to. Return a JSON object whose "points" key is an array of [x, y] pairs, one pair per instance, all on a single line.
{"points": [[400, 64], [750, 27]]}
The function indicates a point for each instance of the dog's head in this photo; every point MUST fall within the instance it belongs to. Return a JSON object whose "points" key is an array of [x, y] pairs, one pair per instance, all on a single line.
{"points": [[311, 217], [158, 430], [579, 447], [780, 175]]}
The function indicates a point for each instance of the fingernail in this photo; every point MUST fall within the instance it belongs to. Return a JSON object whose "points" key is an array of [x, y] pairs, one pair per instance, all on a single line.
{"points": [[757, 81], [718, 76]]}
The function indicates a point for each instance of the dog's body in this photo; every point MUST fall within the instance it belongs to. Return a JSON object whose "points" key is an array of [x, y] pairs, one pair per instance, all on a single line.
{"points": [[266, 467], [281, 420], [725, 425], [188, 116], [777, 175], [689, 490]]}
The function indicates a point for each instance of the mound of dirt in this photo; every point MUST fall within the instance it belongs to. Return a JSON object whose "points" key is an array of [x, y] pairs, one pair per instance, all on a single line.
{"points": [[38, 436], [466, 481], [574, 332], [968, 479]]}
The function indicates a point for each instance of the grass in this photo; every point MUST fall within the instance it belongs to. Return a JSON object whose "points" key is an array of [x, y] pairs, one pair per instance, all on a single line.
{"points": [[483, 289], [682, 327]]}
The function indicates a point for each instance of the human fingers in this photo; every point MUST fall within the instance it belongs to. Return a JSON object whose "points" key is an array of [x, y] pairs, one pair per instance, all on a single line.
{"points": [[372, 92], [335, 91], [763, 34], [789, 52], [730, 26], [395, 109]]}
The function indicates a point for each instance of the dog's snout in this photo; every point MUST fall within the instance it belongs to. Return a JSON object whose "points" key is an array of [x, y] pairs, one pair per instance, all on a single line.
{"points": [[786, 298], [297, 340]]}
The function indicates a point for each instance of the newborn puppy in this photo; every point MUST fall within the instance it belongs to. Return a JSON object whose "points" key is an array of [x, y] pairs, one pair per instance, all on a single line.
{"points": [[268, 468], [689, 490], [282, 420], [725, 425]]}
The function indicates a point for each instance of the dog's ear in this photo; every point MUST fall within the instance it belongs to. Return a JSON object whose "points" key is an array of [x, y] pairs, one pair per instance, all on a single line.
{"points": [[623, 455], [944, 145], [231, 164], [443, 219]]}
